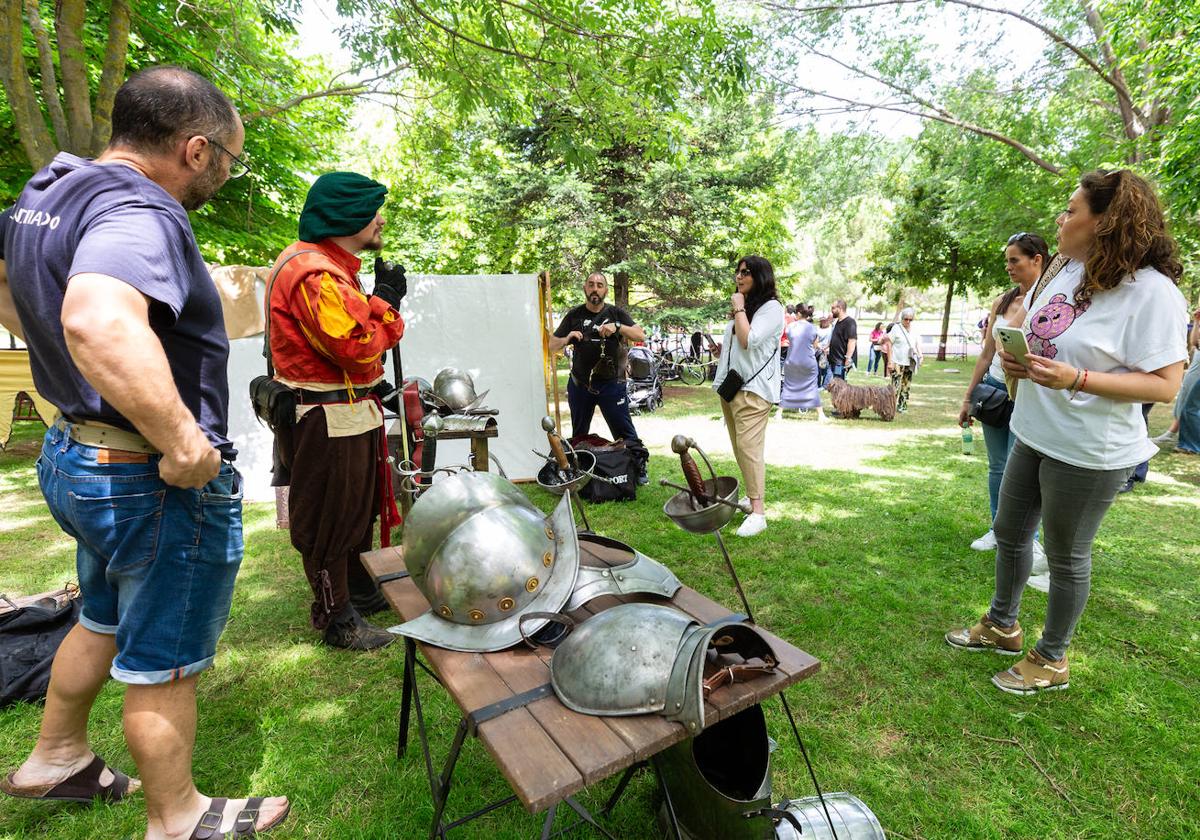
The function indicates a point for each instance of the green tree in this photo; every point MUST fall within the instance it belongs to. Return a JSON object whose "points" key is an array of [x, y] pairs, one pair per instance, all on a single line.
{"points": [[63, 63]]}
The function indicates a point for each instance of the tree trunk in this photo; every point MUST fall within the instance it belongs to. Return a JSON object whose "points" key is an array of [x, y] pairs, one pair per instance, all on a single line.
{"points": [[941, 354], [113, 74], [31, 127], [621, 289], [72, 62], [49, 77]]}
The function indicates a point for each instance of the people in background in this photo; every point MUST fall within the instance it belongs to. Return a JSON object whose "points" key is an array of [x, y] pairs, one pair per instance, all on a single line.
{"points": [[1105, 334], [843, 341], [1026, 256], [789, 317], [800, 391], [874, 355], [599, 332], [752, 349], [1187, 403], [1170, 438], [903, 356]]}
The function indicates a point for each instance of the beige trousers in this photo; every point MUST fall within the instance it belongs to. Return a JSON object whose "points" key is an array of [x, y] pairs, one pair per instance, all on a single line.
{"points": [[746, 418]]}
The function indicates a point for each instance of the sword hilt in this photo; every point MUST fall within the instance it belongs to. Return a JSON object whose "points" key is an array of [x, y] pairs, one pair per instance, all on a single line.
{"points": [[691, 470]]}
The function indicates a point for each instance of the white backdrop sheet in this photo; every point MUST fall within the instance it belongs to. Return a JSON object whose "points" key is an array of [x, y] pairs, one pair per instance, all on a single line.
{"points": [[487, 325]]}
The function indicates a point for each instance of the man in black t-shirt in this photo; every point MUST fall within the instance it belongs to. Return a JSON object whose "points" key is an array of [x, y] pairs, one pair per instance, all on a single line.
{"points": [[596, 330], [843, 341]]}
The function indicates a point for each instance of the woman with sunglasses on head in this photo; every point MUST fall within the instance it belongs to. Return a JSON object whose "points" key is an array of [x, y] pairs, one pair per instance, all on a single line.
{"points": [[752, 357], [1025, 258], [1105, 334]]}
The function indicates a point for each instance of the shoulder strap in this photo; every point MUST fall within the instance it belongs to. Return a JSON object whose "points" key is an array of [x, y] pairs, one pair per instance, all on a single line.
{"points": [[267, 305], [1056, 265]]}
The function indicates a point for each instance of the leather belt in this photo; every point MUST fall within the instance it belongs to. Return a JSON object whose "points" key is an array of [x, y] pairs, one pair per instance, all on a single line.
{"points": [[325, 397], [104, 436]]}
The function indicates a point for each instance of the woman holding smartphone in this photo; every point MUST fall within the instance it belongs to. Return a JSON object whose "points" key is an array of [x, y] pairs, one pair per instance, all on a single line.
{"points": [[1025, 258], [751, 349], [1101, 342]]}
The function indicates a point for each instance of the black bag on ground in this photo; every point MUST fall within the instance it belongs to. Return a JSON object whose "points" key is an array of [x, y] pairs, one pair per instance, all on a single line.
{"points": [[31, 629], [991, 405], [617, 464]]}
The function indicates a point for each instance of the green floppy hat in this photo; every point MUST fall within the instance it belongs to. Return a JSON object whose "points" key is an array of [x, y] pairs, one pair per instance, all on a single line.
{"points": [[339, 204]]}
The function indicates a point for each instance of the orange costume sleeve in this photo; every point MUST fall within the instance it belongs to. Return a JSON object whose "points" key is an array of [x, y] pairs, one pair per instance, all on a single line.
{"points": [[344, 325]]}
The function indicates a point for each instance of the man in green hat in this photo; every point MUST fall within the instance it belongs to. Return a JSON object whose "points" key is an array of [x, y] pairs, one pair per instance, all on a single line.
{"points": [[327, 338]]}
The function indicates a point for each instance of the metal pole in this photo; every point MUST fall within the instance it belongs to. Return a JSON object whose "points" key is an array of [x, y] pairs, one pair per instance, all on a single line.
{"points": [[733, 574]]}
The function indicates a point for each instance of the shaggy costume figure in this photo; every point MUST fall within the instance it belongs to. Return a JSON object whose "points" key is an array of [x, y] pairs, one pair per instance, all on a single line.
{"points": [[850, 400]]}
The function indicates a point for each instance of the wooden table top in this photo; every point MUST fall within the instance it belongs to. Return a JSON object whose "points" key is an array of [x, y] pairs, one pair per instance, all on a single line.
{"points": [[545, 750]]}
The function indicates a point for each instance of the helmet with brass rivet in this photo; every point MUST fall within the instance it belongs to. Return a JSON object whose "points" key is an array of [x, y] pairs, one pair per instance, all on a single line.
{"points": [[483, 555]]}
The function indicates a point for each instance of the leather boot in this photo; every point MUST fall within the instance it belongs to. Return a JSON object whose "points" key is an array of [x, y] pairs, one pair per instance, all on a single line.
{"points": [[349, 630], [369, 603]]}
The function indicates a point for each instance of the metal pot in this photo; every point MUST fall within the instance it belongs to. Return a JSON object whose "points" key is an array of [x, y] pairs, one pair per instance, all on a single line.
{"points": [[851, 817]]}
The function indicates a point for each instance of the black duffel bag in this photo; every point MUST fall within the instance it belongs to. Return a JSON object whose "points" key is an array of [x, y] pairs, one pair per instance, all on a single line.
{"points": [[31, 629], [617, 468], [991, 405]]}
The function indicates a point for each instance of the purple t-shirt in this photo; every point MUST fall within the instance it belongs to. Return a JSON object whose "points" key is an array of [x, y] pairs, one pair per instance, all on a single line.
{"points": [[77, 216]]}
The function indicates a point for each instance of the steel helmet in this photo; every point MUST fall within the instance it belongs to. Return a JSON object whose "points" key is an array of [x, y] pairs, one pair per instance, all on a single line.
{"points": [[636, 658], [483, 555], [454, 388]]}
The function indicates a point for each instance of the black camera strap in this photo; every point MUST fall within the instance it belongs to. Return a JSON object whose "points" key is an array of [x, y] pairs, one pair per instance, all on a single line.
{"points": [[267, 307]]}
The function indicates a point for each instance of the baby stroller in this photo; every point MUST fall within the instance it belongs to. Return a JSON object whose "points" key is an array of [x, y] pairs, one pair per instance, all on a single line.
{"points": [[645, 383]]}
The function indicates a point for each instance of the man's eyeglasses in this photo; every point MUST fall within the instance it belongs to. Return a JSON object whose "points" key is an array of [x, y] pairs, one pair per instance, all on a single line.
{"points": [[238, 167], [1017, 237]]}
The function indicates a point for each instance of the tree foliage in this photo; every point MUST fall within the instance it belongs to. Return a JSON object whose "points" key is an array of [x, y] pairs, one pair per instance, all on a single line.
{"points": [[484, 195]]}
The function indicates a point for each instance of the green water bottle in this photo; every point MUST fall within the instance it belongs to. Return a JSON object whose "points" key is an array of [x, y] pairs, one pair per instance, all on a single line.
{"points": [[968, 440]]}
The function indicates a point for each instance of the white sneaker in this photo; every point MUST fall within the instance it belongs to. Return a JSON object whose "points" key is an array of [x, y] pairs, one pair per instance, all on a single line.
{"points": [[754, 524], [1041, 565], [1040, 582], [985, 543]]}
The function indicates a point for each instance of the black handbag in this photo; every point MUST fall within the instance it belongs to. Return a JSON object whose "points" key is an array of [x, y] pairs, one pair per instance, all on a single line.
{"points": [[733, 382], [991, 405], [273, 402], [730, 385], [31, 629]]}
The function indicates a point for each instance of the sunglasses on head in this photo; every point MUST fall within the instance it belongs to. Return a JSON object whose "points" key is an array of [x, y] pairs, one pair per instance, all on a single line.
{"points": [[1017, 237]]}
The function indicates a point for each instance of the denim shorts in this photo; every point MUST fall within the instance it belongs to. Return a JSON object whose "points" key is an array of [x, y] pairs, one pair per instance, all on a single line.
{"points": [[156, 563]]}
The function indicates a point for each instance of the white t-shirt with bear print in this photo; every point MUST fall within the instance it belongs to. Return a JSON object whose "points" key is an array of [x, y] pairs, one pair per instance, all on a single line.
{"points": [[1138, 326]]}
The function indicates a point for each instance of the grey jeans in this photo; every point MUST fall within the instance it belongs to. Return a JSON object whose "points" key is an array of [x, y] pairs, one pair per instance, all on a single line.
{"points": [[1070, 502]]}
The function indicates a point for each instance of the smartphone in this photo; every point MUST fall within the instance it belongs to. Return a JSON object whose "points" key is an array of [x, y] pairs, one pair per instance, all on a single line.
{"points": [[1012, 339]]}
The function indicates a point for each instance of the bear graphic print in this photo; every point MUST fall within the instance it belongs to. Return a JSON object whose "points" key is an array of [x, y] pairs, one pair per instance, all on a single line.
{"points": [[1051, 321]]}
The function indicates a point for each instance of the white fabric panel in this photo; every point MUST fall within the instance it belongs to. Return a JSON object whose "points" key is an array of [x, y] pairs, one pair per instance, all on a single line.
{"points": [[252, 439], [487, 325], [490, 326]]}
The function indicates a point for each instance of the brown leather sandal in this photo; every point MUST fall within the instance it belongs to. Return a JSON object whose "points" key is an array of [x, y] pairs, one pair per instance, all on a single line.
{"points": [[244, 825], [83, 787]]}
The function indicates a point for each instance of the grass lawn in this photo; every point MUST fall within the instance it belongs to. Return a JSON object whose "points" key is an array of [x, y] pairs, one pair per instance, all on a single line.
{"points": [[866, 563]]}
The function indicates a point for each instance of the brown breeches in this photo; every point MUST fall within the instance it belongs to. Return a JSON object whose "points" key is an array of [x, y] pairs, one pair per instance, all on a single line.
{"points": [[332, 504]]}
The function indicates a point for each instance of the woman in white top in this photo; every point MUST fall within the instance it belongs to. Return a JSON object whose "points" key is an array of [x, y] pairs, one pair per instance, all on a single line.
{"points": [[903, 356], [1105, 335], [751, 347], [1025, 258]]}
